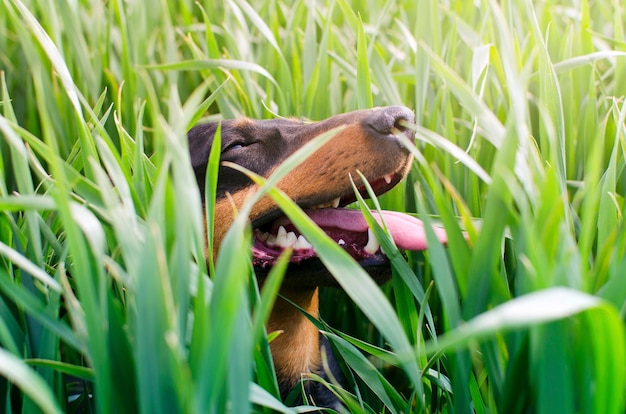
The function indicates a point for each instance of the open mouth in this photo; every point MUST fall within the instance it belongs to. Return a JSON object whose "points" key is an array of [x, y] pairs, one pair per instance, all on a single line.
{"points": [[347, 227]]}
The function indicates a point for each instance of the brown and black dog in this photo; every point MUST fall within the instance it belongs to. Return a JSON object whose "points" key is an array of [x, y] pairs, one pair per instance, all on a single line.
{"points": [[320, 185]]}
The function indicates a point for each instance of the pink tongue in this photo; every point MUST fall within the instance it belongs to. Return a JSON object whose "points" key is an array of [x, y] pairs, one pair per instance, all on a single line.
{"points": [[408, 232]]}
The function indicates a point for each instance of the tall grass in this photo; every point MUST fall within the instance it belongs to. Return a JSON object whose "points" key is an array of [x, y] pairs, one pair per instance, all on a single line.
{"points": [[104, 290]]}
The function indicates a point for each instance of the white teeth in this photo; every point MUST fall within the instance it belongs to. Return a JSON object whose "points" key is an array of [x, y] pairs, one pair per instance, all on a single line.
{"points": [[336, 202], [372, 245], [285, 239], [388, 178]]}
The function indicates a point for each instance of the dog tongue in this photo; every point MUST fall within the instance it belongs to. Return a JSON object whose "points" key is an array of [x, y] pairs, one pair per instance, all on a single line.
{"points": [[408, 232]]}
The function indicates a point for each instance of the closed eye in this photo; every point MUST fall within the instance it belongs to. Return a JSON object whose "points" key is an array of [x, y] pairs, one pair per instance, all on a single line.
{"points": [[236, 145]]}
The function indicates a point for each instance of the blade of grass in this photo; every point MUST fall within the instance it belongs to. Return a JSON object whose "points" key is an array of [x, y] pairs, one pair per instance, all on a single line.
{"points": [[363, 79], [32, 384]]}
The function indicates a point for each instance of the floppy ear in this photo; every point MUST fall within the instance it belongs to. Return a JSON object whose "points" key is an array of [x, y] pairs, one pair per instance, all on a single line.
{"points": [[200, 142]]}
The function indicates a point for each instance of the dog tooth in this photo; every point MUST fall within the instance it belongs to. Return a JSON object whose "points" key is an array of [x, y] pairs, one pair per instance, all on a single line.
{"points": [[291, 239], [341, 242], [302, 243], [281, 232], [372, 245], [282, 239], [335, 202], [297, 245], [271, 240], [388, 178]]}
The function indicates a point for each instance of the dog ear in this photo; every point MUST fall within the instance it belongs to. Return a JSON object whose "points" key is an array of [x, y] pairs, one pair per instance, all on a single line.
{"points": [[200, 142]]}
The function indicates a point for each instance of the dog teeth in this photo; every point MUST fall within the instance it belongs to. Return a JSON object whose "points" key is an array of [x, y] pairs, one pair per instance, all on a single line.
{"points": [[285, 239], [372, 245], [388, 178], [336, 201]]}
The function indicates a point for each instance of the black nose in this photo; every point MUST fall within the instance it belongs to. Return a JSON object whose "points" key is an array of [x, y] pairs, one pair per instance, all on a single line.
{"points": [[386, 120]]}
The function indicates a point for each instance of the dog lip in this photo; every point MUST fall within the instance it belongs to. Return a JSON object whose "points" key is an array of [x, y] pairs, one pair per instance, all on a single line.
{"points": [[312, 273], [380, 186]]}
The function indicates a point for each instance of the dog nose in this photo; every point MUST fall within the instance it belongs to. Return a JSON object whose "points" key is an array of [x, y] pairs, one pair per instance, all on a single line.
{"points": [[385, 120]]}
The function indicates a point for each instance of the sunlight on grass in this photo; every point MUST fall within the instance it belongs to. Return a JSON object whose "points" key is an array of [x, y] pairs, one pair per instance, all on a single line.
{"points": [[519, 154]]}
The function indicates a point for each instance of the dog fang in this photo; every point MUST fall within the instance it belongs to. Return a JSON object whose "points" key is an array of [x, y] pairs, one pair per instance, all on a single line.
{"points": [[372, 245], [388, 178]]}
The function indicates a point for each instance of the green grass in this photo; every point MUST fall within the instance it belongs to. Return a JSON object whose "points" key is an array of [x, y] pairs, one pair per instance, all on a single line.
{"points": [[520, 142]]}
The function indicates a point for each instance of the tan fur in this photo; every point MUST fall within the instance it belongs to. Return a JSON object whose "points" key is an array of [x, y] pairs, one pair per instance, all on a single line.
{"points": [[242, 122], [299, 336]]}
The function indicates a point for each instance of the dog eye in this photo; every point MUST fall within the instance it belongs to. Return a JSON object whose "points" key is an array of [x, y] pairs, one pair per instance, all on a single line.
{"points": [[235, 146]]}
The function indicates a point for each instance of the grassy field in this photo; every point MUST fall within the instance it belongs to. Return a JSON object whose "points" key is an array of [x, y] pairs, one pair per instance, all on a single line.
{"points": [[520, 142]]}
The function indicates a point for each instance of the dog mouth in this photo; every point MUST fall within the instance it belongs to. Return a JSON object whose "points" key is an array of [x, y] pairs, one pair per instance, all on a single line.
{"points": [[347, 227]]}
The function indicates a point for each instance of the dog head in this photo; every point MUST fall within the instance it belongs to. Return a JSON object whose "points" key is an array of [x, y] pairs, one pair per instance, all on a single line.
{"points": [[320, 185]]}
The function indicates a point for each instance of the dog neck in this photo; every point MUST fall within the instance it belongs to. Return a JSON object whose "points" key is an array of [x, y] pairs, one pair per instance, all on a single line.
{"points": [[296, 350]]}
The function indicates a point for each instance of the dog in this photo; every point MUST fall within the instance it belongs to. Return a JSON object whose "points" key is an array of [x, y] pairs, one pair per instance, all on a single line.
{"points": [[321, 186]]}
